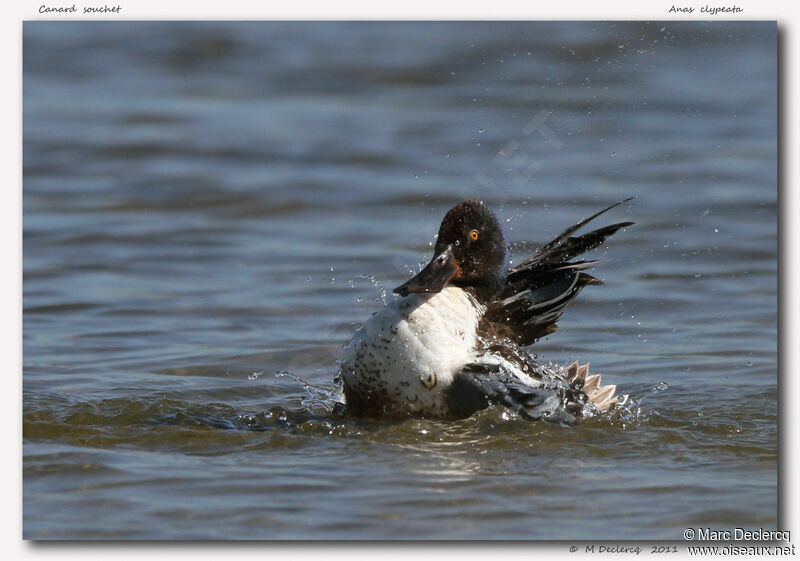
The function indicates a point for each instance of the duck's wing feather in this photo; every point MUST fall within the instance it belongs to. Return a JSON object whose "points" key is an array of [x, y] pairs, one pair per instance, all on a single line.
{"points": [[565, 397], [481, 385], [563, 247], [536, 291]]}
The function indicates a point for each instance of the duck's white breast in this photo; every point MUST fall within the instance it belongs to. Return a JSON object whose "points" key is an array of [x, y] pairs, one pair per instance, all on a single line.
{"points": [[407, 353]]}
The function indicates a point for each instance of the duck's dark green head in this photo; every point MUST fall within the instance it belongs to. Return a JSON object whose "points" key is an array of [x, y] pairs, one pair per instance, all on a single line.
{"points": [[470, 252]]}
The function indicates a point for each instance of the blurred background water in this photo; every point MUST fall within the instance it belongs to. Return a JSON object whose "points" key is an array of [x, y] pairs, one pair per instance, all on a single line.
{"points": [[211, 209]]}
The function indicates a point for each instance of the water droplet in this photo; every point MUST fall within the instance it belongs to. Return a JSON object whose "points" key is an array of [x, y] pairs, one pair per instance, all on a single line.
{"points": [[660, 387]]}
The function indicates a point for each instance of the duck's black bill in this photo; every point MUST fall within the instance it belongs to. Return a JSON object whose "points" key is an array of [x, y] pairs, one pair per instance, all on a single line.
{"points": [[434, 276]]}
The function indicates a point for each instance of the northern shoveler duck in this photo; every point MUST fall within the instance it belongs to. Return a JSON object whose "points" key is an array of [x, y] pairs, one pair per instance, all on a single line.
{"points": [[452, 344]]}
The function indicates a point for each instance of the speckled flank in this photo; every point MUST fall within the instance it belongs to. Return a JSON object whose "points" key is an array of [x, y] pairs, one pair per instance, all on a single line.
{"points": [[405, 356]]}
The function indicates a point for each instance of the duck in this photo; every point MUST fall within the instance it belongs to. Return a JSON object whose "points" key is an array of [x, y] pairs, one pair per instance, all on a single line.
{"points": [[454, 340]]}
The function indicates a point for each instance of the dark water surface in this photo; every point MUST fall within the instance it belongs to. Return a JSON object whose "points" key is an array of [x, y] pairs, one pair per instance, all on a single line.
{"points": [[211, 209]]}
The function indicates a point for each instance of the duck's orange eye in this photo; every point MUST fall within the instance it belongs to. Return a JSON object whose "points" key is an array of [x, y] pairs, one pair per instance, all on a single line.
{"points": [[473, 235]]}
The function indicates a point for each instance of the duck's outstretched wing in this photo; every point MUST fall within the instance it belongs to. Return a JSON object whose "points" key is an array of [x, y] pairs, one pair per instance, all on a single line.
{"points": [[537, 290], [565, 399]]}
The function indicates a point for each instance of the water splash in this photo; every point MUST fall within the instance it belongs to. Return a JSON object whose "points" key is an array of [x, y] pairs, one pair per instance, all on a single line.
{"points": [[325, 399]]}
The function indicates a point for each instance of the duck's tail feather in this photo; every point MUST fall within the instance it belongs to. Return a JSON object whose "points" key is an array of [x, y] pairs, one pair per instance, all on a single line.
{"points": [[603, 397]]}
